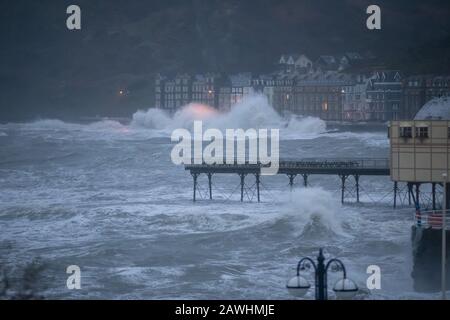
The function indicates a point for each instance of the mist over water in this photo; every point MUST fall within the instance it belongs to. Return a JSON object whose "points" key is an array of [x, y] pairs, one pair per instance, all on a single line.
{"points": [[106, 196], [253, 112]]}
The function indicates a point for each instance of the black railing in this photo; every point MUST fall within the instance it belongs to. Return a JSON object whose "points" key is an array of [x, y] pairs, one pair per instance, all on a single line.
{"points": [[369, 163], [336, 163]]}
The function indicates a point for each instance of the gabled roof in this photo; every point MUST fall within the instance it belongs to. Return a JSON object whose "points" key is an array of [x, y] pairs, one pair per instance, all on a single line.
{"points": [[291, 58], [387, 76], [300, 56], [282, 59]]}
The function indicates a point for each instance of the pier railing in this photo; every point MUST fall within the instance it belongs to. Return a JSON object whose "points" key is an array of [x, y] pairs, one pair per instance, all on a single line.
{"points": [[316, 163], [336, 163], [432, 219]]}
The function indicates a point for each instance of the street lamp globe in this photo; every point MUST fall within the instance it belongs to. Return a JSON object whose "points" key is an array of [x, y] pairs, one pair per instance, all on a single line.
{"points": [[345, 289], [298, 286]]}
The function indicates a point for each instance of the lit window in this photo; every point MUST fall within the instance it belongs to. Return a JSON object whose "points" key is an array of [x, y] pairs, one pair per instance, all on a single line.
{"points": [[325, 106], [406, 132]]}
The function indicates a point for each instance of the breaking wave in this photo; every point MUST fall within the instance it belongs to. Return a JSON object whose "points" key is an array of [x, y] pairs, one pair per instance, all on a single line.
{"points": [[252, 112], [316, 213]]}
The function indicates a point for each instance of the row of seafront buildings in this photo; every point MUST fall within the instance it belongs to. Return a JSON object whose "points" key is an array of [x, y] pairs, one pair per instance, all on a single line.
{"points": [[326, 88]]}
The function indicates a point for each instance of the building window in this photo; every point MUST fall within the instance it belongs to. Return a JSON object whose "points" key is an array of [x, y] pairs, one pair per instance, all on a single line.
{"points": [[325, 106], [422, 132], [406, 132]]}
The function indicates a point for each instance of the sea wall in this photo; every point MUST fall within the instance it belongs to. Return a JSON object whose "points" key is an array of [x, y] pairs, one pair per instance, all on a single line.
{"points": [[427, 248]]}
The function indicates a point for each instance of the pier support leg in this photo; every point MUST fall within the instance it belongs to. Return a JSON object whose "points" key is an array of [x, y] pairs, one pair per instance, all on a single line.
{"points": [[195, 176], [357, 187], [433, 194], [395, 193], [417, 194], [343, 178], [409, 192], [257, 186], [242, 176], [305, 180], [447, 186], [210, 185], [291, 180]]}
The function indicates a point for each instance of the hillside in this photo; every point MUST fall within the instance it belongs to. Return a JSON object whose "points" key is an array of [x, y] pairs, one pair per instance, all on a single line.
{"points": [[48, 71]]}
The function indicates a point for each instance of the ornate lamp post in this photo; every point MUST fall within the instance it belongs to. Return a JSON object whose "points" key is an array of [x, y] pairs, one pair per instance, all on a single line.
{"points": [[344, 288]]}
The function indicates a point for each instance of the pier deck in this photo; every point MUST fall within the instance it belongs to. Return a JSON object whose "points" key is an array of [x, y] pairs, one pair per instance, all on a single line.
{"points": [[344, 168], [374, 167]]}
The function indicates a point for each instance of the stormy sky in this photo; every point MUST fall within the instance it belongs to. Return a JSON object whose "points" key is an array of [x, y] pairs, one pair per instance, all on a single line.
{"points": [[49, 71]]}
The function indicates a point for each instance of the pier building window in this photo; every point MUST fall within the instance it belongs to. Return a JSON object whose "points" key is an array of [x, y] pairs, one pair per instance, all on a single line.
{"points": [[422, 132], [406, 132]]}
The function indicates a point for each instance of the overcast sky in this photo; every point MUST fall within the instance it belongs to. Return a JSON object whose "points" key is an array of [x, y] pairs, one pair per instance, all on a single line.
{"points": [[47, 70]]}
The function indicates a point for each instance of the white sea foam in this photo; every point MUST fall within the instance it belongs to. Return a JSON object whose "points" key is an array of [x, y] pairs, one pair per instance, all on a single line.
{"points": [[373, 139], [315, 211], [252, 112]]}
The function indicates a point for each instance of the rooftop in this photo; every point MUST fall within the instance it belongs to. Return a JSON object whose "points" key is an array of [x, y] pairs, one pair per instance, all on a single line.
{"points": [[435, 109]]}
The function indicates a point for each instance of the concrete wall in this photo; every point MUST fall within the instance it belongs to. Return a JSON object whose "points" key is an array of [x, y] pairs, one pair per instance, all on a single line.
{"points": [[427, 266]]}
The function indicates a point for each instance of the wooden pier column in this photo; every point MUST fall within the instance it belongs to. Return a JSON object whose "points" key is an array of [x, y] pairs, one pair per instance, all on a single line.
{"points": [[343, 178], [195, 176], [433, 194], [395, 193], [242, 175], [257, 186], [210, 185], [305, 180], [357, 187], [447, 186]]}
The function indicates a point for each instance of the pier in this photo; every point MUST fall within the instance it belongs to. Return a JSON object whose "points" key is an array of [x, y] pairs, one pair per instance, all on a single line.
{"points": [[343, 168]]}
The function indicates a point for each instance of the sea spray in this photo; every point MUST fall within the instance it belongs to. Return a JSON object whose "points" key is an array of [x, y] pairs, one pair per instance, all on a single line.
{"points": [[151, 119], [183, 118], [315, 212], [252, 112]]}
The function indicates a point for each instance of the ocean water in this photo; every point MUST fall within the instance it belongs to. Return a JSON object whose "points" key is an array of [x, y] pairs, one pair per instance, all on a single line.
{"points": [[105, 196]]}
